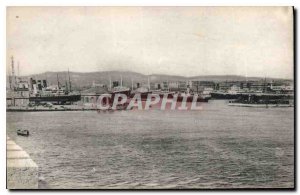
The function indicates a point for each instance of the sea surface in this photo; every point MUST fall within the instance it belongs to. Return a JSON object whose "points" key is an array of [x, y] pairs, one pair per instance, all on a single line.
{"points": [[216, 147]]}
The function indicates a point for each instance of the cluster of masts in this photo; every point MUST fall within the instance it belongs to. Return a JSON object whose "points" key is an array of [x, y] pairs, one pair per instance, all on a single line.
{"points": [[15, 79], [68, 84]]}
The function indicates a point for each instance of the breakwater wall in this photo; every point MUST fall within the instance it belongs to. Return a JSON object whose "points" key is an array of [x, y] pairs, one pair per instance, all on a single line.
{"points": [[21, 170]]}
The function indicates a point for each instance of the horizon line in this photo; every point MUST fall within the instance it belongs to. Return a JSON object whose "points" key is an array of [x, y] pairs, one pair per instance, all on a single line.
{"points": [[218, 75]]}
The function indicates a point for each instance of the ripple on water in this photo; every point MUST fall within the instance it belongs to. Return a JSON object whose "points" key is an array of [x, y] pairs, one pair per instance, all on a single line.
{"points": [[218, 147]]}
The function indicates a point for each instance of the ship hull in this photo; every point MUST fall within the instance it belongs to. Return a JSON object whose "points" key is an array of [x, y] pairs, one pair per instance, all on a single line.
{"points": [[191, 99], [224, 96], [62, 99], [260, 105]]}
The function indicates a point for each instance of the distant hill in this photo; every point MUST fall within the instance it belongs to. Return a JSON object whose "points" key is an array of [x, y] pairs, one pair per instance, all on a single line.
{"points": [[226, 78], [85, 80]]}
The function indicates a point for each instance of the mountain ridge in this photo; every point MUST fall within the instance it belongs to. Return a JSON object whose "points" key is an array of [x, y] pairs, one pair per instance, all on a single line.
{"points": [[86, 79]]}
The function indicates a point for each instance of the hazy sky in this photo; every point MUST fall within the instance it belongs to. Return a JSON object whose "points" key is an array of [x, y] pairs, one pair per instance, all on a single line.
{"points": [[187, 41]]}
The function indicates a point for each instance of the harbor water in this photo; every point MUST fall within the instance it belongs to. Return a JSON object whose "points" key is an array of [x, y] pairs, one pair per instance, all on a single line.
{"points": [[216, 147]]}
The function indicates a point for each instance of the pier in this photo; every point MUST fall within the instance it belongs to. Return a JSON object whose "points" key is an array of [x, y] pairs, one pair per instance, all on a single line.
{"points": [[21, 170]]}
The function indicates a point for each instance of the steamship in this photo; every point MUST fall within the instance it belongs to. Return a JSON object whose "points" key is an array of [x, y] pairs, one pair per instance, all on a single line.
{"points": [[41, 93]]}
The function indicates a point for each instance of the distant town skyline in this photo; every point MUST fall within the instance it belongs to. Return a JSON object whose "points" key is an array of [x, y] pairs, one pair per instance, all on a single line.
{"points": [[181, 41]]}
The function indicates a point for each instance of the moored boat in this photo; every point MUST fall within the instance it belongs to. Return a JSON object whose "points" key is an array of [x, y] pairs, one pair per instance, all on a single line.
{"points": [[260, 105], [263, 100], [22, 132]]}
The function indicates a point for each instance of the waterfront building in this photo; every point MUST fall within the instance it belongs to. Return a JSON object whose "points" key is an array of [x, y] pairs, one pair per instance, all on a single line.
{"points": [[199, 86]]}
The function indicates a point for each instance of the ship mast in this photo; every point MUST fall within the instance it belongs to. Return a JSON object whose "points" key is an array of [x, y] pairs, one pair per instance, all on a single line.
{"points": [[70, 86], [13, 72], [18, 69], [66, 84], [265, 81], [58, 85], [148, 83], [46, 79], [168, 85], [9, 79], [110, 83], [121, 81]]}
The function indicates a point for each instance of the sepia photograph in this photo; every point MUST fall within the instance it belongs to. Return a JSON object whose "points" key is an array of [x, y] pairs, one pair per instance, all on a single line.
{"points": [[150, 97]]}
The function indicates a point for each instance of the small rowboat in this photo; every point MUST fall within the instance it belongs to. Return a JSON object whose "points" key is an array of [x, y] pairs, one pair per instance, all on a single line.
{"points": [[22, 132]]}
